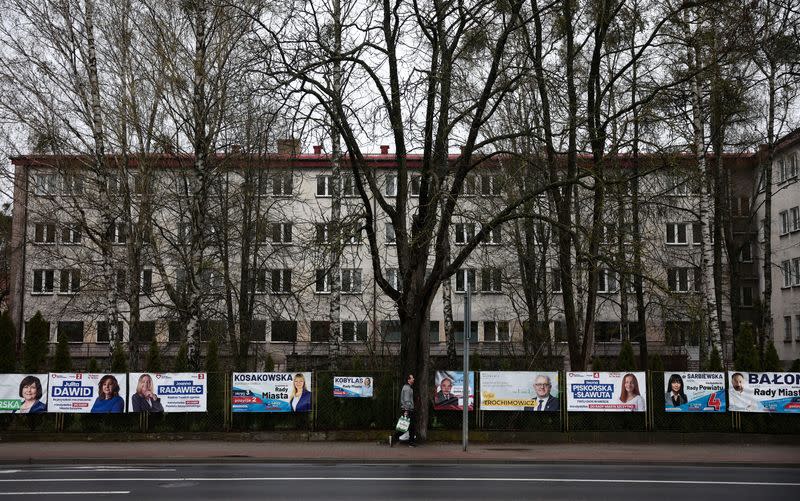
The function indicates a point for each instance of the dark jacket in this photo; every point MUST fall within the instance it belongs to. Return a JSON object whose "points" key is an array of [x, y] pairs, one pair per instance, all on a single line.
{"points": [[37, 408], [140, 404], [304, 404], [450, 401], [552, 405]]}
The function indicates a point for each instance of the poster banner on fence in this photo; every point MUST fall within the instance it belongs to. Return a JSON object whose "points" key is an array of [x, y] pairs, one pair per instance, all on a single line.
{"points": [[764, 391], [168, 392], [694, 392], [271, 392], [519, 391], [87, 392], [353, 387], [606, 391], [449, 391], [23, 393]]}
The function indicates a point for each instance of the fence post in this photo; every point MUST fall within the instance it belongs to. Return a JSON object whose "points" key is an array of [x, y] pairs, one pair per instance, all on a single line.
{"points": [[562, 383], [650, 414], [227, 414]]}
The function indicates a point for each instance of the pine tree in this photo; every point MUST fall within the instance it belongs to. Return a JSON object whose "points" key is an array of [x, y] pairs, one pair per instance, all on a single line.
{"points": [[8, 358], [656, 363], [772, 362], [746, 356], [625, 361], [269, 364], [119, 362], [153, 363], [93, 366], [37, 335], [215, 378], [212, 356], [62, 360], [182, 358], [715, 361], [598, 364], [795, 365]]}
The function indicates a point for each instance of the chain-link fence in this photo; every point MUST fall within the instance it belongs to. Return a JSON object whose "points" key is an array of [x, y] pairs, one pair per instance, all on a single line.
{"points": [[379, 413]]}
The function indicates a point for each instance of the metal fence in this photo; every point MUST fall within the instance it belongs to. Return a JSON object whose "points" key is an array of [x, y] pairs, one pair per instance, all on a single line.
{"points": [[380, 413]]}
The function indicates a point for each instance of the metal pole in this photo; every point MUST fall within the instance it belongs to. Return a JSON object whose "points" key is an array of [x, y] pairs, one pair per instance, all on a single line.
{"points": [[467, 332]]}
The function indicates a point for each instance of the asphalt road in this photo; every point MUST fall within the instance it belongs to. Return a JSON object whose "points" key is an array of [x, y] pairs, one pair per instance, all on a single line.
{"points": [[485, 482]]}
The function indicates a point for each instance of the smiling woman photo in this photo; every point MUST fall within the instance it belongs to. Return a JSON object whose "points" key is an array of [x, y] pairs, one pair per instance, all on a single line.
{"points": [[108, 399], [299, 396], [30, 391]]}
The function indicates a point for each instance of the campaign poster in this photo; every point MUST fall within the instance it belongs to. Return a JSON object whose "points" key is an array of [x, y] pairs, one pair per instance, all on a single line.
{"points": [[271, 392], [694, 392], [606, 391], [764, 392], [353, 387], [81, 392], [519, 391], [449, 391], [23, 393], [168, 392]]}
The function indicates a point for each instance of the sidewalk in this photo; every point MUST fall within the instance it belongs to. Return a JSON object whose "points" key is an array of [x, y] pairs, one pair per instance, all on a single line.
{"points": [[372, 452]]}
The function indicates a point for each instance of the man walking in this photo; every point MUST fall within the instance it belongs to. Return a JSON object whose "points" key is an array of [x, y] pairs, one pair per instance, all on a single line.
{"points": [[407, 409]]}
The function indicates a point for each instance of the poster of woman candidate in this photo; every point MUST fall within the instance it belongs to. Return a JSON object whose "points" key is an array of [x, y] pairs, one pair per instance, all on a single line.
{"points": [[168, 392], [271, 392], [98, 393], [519, 391], [764, 392], [449, 391], [606, 391], [694, 392], [23, 393], [353, 387]]}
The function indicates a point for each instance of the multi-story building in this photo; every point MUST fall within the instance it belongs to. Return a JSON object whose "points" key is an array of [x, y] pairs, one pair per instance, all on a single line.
{"points": [[267, 254]]}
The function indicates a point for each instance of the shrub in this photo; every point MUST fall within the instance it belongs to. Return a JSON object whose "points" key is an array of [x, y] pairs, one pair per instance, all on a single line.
{"points": [[8, 346], [772, 363], [714, 361], [746, 356], [182, 358], [269, 364], [153, 363], [119, 362], [625, 361], [93, 366], [62, 360], [656, 363], [37, 335]]}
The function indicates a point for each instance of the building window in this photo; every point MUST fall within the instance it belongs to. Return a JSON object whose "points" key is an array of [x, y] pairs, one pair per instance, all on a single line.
{"points": [[324, 186], [351, 236], [103, 335], [43, 281], [146, 282], [281, 282], [282, 233], [555, 280], [320, 331], [353, 331], [175, 331], [494, 237], [746, 299], [458, 331], [464, 276], [464, 232], [45, 184], [682, 333], [113, 183], [746, 254], [433, 331], [607, 332], [797, 322], [792, 161], [683, 279], [787, 273], [121, 282], [390, 185], [211, 279], [120, 235], [71, 235], [744, 206], [494, 331], [393, 277], [323, 281], [787, 328], [323, 233], [349, 186], [390, 330], [145, 331], [491, 280], [258, 331], [784, 218], [44, 233], [796, 271], [490, 185], [607, 281], [676, 234], [73, 331], [416, 183], [351, 280], [284, 331], [259, 283], [391, 237], [469, 188], [70, 282], [697, 233], [794, 218], [282, 184], [71, 184]]}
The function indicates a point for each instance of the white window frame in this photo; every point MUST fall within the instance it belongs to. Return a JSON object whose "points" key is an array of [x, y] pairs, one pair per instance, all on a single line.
{"points": [[676, 234], [491, 185], [261, 284], [742, 302], [145, 281], [556, 287], [393, 277], [351, 281], [390, 185], [685, 279], [495, 236], [284, 232], [322, 233], [784, 221], [324, 186], [69, 281], [796, 271], [72, 183], [45, 183], [462, 276], [464, 232], [322, 281], [793, 166], [469, 188], [786, 267], [415, 185], [391, 236], [787, 328], [349, 189], [39, 284], [120, 236], [48, 233], [782, 169], [282, 184], [794, 218], [491, 331], [284, 283], [72, 233], [607, 281], [357, 325], [494, 284], [746, 253]]}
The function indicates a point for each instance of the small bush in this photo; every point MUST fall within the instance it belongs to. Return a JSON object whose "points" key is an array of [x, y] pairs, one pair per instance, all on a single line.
{"points": [[625, 361], [8, 345], [37, 335], [62, 360], [182, 358], [119, 361], [153, 363]]}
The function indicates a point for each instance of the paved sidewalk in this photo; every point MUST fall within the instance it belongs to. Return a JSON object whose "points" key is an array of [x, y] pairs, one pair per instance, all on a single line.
{"points": [[219, 451]]}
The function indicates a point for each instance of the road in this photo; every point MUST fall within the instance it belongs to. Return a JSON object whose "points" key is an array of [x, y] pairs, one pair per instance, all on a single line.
{"points": [[485, 482]]}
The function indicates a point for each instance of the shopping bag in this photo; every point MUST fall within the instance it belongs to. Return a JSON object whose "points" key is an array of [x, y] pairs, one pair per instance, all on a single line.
{"points": [[405, 437], [402, 424]]}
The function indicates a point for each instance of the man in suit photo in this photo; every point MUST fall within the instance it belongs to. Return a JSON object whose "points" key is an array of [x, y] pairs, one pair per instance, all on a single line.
{"points": [[544, 400], [444, 397]]}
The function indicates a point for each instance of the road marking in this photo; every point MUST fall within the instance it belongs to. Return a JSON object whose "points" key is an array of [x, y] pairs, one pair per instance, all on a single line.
{"points": [[103, 469], [409, 479], [10, 471], [61, 493]]}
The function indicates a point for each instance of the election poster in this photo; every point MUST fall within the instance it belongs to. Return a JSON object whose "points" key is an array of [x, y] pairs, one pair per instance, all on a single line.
{"points": [[353, 387], [87, 392], [694, 392], [449, 391], [764, 392], [23, 393], [519, 391], [606, 391], [169, 392], [271, 392]]}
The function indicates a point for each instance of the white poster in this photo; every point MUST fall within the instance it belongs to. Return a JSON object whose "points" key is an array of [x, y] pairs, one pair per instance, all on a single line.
{"points": [[764, 392], [169, 392], [519, 391], [23, 393], [448, 393], [80, 392], [606, 391], [271, 392], [353, 387]]}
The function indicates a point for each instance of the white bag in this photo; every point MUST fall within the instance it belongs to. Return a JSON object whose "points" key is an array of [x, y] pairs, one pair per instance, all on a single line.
{"points": [[405, 437]]}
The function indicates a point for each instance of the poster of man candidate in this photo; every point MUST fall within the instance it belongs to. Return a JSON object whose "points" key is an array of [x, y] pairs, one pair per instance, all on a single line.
{"points": [[519, 391], [353, 387], [168, 392], [448, 394], [694, 392], [764, 392], [97, 393], [23, 393], [606, 391], [271, 392]]}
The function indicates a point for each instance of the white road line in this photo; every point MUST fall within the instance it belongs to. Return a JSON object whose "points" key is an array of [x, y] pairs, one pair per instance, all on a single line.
{"points": [[409, 479], [10, 471], [61, 493], [89, 470]]}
